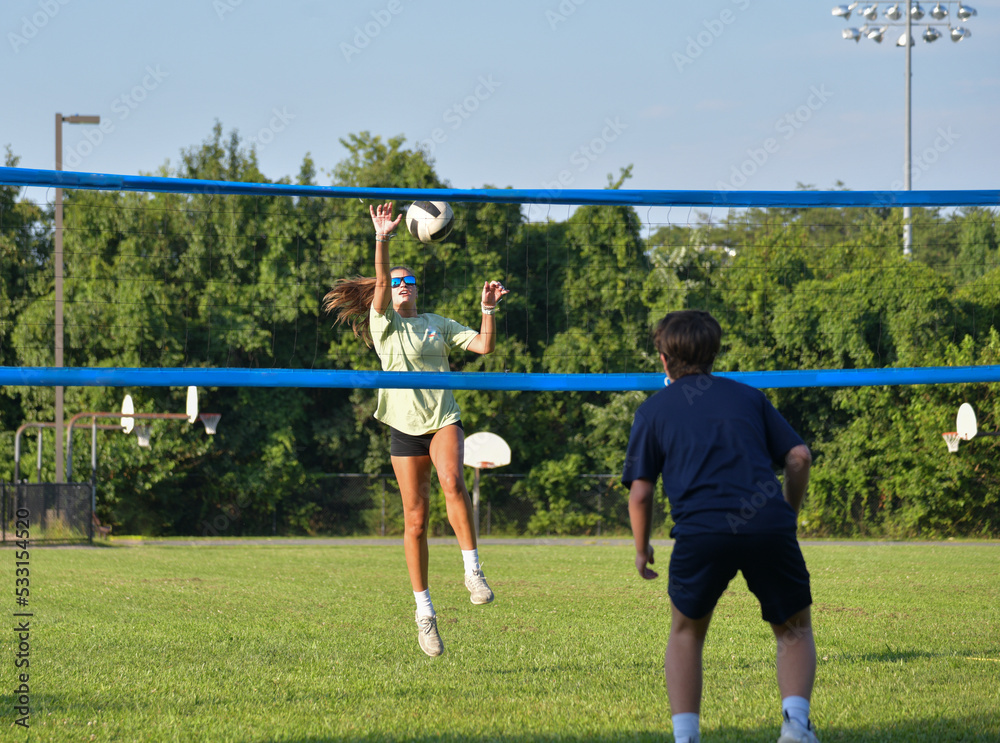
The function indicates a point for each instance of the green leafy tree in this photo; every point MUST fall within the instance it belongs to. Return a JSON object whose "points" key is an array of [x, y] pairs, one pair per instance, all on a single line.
{"points": [[977, 252], [554, 486], [25, 250], [165, 280]]}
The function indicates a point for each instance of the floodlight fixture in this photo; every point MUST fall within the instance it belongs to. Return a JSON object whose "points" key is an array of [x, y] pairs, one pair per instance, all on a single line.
{"points": [[877, 34], [906, 15], [78, 119], [964, 12], [844, 11]]}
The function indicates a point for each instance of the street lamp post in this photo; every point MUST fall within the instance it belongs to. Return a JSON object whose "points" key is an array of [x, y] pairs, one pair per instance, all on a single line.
{"points": [[57, 260], [907, 135], [910, 12]]}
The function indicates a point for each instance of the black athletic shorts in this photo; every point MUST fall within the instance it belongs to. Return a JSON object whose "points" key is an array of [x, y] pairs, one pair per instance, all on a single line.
{"points": [[701, 566], [405, 445]]}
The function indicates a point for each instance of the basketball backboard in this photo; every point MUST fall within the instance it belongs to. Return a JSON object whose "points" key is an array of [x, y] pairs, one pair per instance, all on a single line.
{"points": [[965, 423], [484, 450], [192, 404], [127, 410]]}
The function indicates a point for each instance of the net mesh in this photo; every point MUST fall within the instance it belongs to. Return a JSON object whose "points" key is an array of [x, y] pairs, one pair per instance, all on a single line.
{"points": [[951, 439], [198, 280], [142, 434], [210, 421]]}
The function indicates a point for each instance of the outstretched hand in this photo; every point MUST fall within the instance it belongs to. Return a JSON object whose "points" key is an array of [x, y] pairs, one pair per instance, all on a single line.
{"points": [[493, 292], [382, 218], [641, 561]]}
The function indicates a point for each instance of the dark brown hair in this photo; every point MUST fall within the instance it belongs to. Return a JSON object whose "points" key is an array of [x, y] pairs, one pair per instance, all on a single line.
{"points": [[690, 341], [351, 299]]}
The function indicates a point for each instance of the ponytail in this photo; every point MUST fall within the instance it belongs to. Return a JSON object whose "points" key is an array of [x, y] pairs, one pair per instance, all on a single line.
{"points": [[350, 301]]}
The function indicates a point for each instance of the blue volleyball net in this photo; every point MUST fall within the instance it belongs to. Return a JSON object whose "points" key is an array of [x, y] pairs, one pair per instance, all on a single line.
{"points": [[172, 282]]}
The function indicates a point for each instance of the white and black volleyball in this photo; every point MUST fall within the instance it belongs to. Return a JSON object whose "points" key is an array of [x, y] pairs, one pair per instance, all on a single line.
{"points": [[430, 221]]}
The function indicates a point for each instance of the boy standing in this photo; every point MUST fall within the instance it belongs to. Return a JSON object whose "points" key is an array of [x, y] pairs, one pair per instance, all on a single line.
{"points": [[713, 440]]}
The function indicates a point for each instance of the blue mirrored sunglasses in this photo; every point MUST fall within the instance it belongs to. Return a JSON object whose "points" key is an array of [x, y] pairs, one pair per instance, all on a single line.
{"points": [[408, 280]]}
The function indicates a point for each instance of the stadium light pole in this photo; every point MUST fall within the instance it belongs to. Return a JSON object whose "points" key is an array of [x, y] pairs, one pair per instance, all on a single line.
{"points": [[57, 260], [910, 12], [908, 133]]}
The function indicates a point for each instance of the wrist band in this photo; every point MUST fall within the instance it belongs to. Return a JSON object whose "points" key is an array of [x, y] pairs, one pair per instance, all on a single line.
{"points": [[489, 310], [384, 238]]}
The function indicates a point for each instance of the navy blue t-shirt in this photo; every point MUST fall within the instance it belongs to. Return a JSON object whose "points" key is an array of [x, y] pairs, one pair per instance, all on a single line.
{"points": [[716, 443]]}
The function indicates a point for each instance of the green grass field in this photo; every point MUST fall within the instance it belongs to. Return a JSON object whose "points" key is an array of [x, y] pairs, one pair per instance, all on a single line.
{"points": [[315, 642]]}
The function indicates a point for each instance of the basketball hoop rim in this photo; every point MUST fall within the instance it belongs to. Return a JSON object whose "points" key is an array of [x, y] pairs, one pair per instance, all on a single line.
{"points": [[952, 438], [210, 421], [143, 434]]}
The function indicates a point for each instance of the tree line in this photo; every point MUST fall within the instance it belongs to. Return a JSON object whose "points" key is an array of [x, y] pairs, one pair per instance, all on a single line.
{"points": [[166, 280]]}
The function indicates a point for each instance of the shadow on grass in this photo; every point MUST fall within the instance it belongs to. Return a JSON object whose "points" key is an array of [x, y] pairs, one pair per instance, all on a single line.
{"points": [[983, 728], [890, 655]]}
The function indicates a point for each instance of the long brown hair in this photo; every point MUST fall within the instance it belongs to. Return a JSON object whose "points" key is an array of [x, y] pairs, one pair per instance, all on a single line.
{"points": [[351, 299]]}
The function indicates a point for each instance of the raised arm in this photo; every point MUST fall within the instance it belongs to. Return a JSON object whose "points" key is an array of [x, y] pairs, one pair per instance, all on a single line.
{"points": [[486, 341], [384, 226]]}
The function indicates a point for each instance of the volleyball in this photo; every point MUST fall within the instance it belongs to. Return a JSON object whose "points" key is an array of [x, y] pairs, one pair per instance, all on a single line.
{"points": [[429, 221]]}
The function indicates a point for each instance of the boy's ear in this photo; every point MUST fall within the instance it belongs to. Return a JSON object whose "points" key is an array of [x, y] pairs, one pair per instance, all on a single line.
{"points": [[663, 359]]}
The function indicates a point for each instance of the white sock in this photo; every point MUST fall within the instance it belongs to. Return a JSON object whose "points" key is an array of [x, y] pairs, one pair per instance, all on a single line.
{"points": [[424, 606], [797, 708], [471, 560], [686, 726]]}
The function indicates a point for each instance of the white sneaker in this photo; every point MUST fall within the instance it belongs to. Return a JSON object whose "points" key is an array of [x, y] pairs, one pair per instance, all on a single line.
{"points": [[428, 637], [476, 583], [792, 731]]}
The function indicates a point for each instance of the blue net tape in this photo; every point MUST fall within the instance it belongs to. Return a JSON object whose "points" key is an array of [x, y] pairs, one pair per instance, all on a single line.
{"points": [[108, 182], [124, 377]]}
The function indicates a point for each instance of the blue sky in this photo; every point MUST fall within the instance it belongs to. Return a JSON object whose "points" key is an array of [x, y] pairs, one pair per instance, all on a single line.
{"points": [[751, 94]]}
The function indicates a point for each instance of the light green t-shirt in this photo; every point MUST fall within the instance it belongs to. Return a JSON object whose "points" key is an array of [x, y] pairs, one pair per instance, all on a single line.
{"points": [[418, 343]]}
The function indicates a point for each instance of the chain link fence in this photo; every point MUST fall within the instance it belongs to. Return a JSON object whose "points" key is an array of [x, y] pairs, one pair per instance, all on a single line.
{"points": [[370, 505], [367, 505], [53, 512]]}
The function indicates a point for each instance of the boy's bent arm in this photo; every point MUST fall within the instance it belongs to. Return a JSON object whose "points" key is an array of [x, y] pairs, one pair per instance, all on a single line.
{"points": [[640, 512], [797, 464]]}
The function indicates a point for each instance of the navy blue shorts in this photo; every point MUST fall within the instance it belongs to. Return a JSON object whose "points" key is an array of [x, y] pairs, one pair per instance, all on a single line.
{"points": [[407, 445], [701, 566]]}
